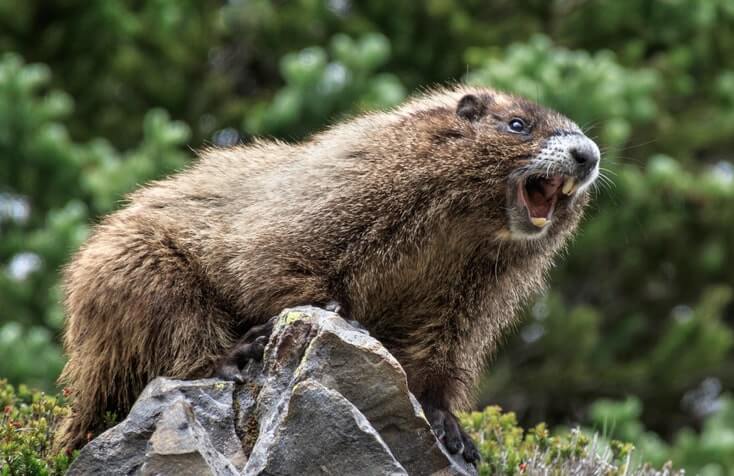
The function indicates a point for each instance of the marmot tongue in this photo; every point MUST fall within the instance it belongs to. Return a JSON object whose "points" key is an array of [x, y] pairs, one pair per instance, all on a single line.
{"points": [[541, 199], [538, 205]]}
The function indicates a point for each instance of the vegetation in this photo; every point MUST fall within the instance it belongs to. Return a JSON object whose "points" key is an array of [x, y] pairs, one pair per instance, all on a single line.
{"points": [[27, 424], [635, 336], [508, 449]]}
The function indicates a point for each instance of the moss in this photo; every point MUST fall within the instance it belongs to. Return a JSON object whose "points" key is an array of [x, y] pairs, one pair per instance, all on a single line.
{"points": [[27, 425]]}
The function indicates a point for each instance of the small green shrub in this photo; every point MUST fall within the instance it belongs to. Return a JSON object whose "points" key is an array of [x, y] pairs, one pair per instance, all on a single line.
{"points": [[507, 449], [27, 425]]}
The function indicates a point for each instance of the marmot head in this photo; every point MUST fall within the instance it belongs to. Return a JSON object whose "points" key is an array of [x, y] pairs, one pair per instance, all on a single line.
{"points": [[549, 162], [503, 149]]}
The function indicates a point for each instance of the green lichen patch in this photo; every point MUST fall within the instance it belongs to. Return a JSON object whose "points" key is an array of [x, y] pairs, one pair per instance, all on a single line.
{"points": [[293, 316]]}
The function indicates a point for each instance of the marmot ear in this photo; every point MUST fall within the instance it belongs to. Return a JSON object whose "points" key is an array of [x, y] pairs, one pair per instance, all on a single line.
{"points": [[471, 107]]}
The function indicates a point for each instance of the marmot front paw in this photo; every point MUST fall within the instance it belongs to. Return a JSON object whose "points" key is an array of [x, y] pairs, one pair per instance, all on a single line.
{"points": [[250, 347]]}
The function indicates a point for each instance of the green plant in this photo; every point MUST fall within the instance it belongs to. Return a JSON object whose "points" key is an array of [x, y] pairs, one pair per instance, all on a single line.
{"points": [[27, 425], [508, 449]]}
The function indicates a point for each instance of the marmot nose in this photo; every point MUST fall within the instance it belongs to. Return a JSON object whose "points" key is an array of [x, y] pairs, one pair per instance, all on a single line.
{"points": [[586, 155]]}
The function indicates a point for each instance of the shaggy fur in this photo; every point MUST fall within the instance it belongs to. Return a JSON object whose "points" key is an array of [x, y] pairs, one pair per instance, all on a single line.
{"points": [[400, 216]]}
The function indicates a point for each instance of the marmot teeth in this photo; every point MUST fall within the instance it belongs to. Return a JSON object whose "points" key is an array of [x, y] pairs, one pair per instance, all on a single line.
{"points": [[569, 186], [540, 222]]}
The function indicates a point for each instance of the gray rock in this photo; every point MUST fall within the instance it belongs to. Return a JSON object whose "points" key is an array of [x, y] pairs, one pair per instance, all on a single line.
{"points": [[326, 399], [319, 432], [181, 446], [123, 448], [357, 366]]}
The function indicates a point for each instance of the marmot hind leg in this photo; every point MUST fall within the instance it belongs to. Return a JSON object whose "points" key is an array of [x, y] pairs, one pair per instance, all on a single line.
{"points": [[138, 307], [442, 385]]}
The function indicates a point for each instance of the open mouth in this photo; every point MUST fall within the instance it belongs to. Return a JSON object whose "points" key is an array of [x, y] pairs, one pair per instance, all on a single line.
{"points": [[539, 194]]}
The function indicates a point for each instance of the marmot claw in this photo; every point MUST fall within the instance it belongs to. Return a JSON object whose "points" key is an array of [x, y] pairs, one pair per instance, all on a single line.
{"points": [[336, 307], [250, 347], [447, 429]]}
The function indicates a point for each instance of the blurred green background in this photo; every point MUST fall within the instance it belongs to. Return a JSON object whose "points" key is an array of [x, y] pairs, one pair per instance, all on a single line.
{"points": [[634, 337]]}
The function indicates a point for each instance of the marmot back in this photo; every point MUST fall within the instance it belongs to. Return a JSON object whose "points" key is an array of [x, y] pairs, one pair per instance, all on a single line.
{"points": [[429, 224]]}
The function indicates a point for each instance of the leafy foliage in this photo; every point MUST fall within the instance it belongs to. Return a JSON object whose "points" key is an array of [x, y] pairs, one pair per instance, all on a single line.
{"points": [[508, 449], [317, 89], [27, 425], [118, 57]]}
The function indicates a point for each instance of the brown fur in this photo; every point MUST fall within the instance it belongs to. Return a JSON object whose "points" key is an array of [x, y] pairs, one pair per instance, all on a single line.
{"points": [[400, 216]]}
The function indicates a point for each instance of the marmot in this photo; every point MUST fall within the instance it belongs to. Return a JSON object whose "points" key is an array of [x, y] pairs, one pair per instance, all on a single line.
{"points": [[429, 224]]}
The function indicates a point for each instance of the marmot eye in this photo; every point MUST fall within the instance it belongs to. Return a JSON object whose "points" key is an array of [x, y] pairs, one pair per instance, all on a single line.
{"points": [[516, 125]]}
